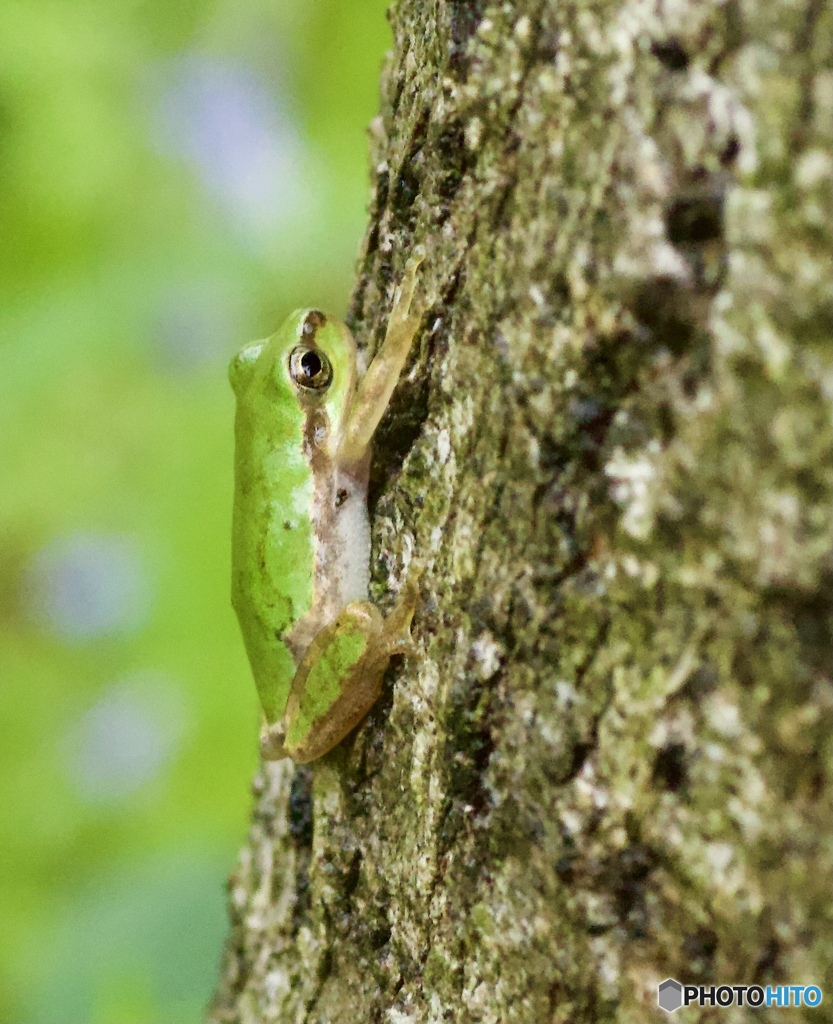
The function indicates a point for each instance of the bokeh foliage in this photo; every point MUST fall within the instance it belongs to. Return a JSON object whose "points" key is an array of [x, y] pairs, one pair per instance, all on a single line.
{"points": [[173, 179]]}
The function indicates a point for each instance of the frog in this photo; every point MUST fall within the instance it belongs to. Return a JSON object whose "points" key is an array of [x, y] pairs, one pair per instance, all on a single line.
{"points": [[305, 419]]}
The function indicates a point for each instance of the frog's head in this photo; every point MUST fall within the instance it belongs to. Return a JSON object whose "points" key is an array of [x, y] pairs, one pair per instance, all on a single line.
{"points": [[309, 363]]}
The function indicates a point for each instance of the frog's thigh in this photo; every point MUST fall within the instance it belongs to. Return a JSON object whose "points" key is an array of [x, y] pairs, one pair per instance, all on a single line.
{"points": [[338, 680]]}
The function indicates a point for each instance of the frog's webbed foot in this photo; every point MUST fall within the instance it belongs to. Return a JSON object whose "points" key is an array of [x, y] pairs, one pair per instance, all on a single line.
{"points": [[396, 626], [272, 741]]}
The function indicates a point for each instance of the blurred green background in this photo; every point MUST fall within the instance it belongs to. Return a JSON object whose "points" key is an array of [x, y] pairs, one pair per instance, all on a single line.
{"points": [[174, 178]]}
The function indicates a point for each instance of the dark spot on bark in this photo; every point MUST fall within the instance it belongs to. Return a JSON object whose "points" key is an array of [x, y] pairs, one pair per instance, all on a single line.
{"points": [[380, 936], [809, 612], [690, 382], [670, 52], [382, 184], [448, 186], [372, 246], [666, 423], [546, 46], [703, 680], [325, 969], [565, 866], [482, 613], [767, 963], [374, 756], [662, 306], [589, 419], [455, 157], [341, 497], [585, 411], [695, 220], [398, 83], [512, 143], [568, 844], [300, 823], [670, 767], [300, 808], [730, 152], [807, 103], [628, 873], [351, 878], [499, 218], [384, 273], [558, 291], [380, 198], [469, 746], [578, 757], [474, 748], [405, 188], [699, 948], [466, 15], [400, 427]]}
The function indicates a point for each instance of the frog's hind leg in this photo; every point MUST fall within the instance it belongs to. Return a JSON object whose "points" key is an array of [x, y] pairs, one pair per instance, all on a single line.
{"points": [[340, 676]]}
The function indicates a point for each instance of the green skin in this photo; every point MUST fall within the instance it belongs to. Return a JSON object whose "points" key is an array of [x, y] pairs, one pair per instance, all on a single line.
{"points": [[300, 541]]}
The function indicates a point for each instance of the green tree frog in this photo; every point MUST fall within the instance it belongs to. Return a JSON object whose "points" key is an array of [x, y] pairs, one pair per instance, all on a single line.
{"points": [[317, 647]]}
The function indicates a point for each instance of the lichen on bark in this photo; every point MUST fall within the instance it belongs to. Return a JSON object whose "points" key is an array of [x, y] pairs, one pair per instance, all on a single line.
{"points": [[609, 470]]}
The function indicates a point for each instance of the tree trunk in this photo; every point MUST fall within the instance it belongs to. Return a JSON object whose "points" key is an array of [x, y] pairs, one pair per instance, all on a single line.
{"points": [[609, 470]]}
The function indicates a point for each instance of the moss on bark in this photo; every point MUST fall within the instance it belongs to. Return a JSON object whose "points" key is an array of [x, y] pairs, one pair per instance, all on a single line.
{"points": [[609, 469]]}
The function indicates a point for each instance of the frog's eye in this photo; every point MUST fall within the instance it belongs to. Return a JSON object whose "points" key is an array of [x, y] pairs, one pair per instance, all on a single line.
{"points": [[310, 368]]}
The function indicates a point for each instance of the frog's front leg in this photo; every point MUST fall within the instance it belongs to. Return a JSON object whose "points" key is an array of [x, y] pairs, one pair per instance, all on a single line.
{"points": [[376, 386], [339, 679]]}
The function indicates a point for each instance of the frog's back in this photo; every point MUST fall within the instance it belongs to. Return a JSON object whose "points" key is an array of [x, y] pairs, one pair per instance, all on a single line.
{"points": [[272, 541]]}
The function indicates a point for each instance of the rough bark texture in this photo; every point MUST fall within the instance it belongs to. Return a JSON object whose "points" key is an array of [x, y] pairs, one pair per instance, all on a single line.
{"points": [[610, 470]]}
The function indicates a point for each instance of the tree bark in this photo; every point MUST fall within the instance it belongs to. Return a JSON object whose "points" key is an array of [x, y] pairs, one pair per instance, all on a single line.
{"points": [[609, 470]]}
